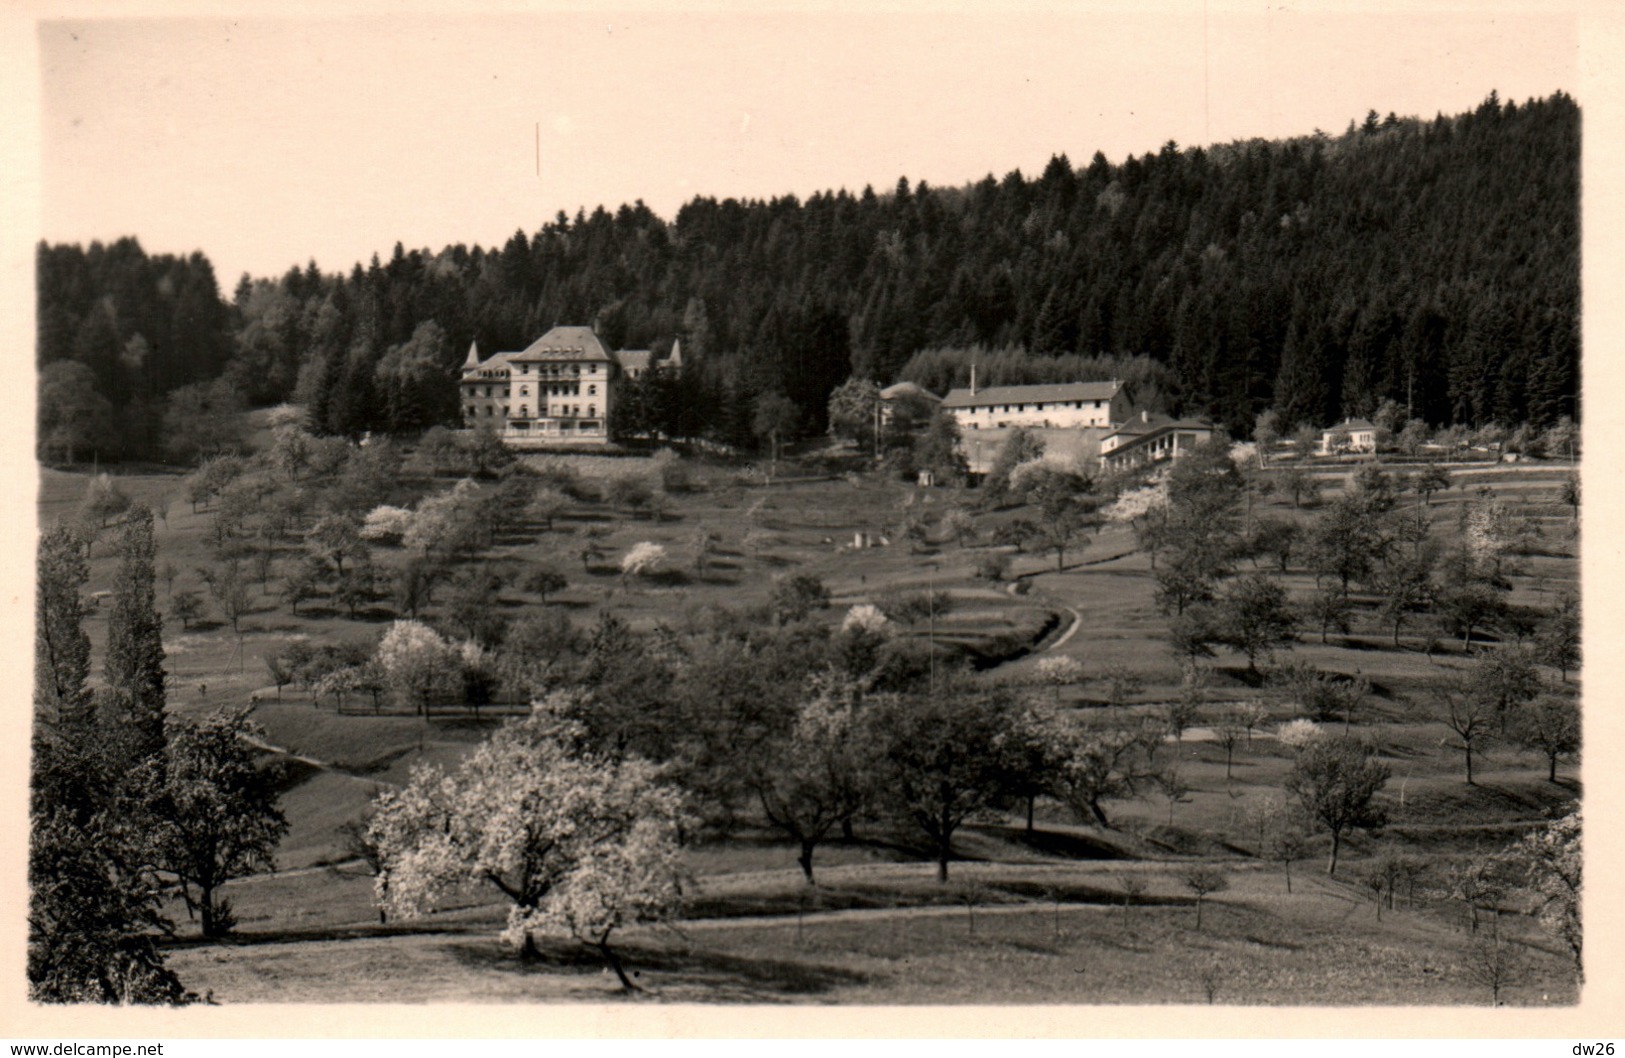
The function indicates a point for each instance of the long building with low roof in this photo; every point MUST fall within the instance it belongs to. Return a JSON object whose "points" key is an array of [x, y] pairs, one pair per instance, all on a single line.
{"points": [[1056, 405]]}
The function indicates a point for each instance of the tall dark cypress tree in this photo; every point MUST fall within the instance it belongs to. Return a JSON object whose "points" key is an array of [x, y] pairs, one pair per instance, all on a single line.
{"points": [[65, 758], [92, 908], [61, 647], [135, 649]]}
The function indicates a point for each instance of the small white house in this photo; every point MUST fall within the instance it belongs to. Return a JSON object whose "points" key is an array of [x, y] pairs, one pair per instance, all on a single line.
{"points": [[1350, 435]]}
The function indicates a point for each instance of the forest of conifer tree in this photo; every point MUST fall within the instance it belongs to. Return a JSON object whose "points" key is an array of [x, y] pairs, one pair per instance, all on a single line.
{"points": [[1434, 263]]}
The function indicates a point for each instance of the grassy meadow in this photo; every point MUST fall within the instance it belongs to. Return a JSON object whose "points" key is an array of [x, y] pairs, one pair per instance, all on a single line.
{"points": [[1045, 917]]}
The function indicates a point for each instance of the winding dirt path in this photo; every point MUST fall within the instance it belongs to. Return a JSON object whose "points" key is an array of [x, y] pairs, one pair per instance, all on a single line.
{"points": [[281, 751], [1077, 623]]}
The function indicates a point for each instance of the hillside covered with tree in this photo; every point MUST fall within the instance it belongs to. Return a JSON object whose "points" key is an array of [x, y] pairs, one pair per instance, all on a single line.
{"points": [[1434, 263]]}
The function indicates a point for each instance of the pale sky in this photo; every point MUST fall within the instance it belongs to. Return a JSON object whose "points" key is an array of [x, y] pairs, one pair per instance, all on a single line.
{"points": [[267, 142]]}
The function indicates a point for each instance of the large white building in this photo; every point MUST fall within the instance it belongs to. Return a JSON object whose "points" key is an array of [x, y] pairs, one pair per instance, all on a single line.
{"points": [[560, 389], [1059, 405]]}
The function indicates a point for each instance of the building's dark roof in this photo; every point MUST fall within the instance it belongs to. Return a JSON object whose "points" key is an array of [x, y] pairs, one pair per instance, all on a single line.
{"points": [[634, 359], [565, 343], [1046, 394], [907, 389], [1144, 422], [473, 366], [1352, 424]]}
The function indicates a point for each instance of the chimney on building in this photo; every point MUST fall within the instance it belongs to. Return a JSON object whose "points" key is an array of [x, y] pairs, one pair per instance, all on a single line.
{"points": [[973, 380]]}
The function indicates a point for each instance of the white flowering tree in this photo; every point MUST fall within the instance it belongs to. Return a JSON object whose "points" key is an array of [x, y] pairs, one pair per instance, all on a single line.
{"points": [[817, 777], [1135, 504], [418, 665], [447, 523], [1296, 734], [386, 524], [856, 648], [1092, 766], [644, 560], [866, 617], [1552, 861], [1491, 534], [583, 845], [1060, 670], [352, 679]]}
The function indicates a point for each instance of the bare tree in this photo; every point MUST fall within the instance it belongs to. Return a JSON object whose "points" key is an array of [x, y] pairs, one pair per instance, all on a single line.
{"points": [[1261, 814], [1469, 715], [1122, 683], [1133, 887], [187, 606], [970, 894], [1202, 880], [1336, 779], [1390, 868], [230, 591], [1228, 732], [1492, 962], [1478, 884], [281, 673], [1375, 880], [1286, 847], [1412, 869], [1175, 789], [1550, 726], [1250, 715], [1179, 715]]}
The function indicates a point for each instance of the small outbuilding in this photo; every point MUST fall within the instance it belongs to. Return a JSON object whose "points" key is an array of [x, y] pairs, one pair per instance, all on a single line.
{"points": [[908, 403]]}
